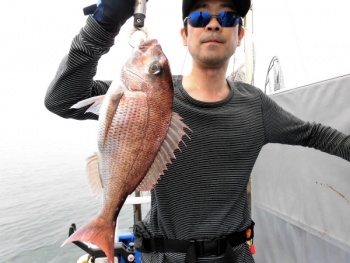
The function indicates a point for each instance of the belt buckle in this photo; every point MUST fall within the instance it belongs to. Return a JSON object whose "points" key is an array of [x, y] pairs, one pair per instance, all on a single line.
{"points": [[211, 247], [221, 245]]}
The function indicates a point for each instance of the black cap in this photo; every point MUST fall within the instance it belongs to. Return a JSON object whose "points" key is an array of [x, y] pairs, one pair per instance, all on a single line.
{"points": [[241, 5]]}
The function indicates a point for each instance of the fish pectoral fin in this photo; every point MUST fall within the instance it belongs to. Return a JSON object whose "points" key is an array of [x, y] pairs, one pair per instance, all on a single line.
{"points": [[94, 108], [93, 174], [166, 152]]}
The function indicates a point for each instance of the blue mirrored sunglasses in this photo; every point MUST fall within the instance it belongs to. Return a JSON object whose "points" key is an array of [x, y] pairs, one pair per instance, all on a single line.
{"points": [[202, 19]]}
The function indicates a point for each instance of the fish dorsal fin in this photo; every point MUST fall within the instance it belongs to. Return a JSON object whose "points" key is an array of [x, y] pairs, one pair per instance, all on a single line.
{"points": [[166, 152], [93, 174], [94, 108]]}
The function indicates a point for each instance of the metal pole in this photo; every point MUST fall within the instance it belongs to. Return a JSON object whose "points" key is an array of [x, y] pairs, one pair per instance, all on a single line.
{"points": [[248, 44], [137, 209]]}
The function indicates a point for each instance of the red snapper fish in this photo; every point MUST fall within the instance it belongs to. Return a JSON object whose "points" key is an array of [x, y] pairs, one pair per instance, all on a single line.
{"points": [[137, 136]]}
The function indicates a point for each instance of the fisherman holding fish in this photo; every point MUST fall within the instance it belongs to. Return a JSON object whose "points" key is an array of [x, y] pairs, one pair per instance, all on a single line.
{"points": [[199, 210]]}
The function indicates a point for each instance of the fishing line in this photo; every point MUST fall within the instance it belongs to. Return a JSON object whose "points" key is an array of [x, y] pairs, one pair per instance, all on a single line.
{"points": [[252, 31], [251, 8], [234, 61], [296, 39], [233, 73], [58, 256], [183, 64]]}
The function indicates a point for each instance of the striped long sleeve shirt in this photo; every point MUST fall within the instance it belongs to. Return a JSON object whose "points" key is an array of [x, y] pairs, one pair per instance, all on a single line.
{"points": [[203, 192]]}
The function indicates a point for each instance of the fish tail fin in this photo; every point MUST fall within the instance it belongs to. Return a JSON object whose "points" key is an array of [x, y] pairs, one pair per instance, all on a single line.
{"points": [[99, 232]]}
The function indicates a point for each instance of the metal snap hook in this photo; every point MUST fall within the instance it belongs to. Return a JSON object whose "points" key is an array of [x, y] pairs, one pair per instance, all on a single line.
{"points": [[133, 31]]}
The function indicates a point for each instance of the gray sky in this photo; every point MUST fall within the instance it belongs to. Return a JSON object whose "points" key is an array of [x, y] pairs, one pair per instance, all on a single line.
{"points": [[311, 39], [312, 44]]}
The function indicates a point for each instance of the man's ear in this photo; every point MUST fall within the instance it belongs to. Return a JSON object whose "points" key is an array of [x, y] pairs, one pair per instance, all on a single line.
{"points": [[241, 35], [184, 37]]}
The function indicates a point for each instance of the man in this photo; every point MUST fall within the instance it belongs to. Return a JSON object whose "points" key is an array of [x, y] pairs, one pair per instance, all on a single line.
{"points": [[199, 209]]}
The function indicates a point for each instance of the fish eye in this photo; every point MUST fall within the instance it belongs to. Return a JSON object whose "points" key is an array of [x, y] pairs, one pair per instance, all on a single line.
{"points": [[155, 68]]}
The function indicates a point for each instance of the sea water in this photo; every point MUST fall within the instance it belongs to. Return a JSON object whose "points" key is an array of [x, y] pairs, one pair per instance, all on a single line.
{"points": [[44, 188]]}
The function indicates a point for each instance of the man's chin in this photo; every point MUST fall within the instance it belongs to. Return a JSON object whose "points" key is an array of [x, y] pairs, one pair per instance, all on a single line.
{"points": [[213, 61]]}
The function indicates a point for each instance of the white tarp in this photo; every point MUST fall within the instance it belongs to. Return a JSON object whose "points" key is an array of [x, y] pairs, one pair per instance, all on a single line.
{"points": [[301, 196]]}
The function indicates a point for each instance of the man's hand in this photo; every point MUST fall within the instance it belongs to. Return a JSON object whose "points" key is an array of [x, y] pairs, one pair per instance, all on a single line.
{"points": [[112, 14]]}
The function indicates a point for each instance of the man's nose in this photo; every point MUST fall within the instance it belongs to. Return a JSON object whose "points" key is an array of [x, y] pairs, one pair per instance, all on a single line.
{"points": [[214, 24]]}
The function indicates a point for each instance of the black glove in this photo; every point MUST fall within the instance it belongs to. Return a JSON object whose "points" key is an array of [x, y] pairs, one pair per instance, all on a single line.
{"points": [[112, 14]]}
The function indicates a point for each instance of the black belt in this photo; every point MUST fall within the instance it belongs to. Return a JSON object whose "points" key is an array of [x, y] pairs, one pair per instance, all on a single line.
{"points": [[200, 247]]}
